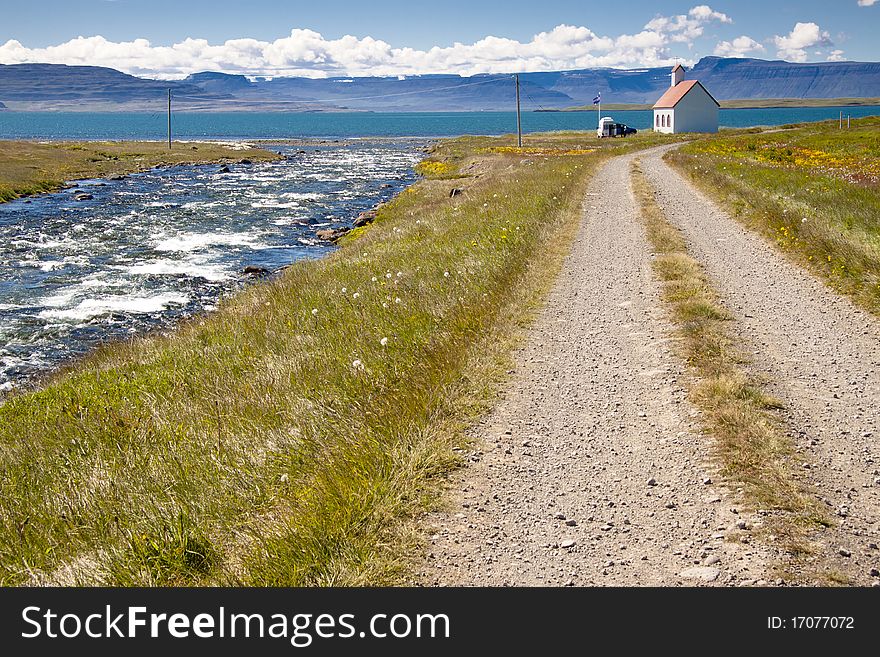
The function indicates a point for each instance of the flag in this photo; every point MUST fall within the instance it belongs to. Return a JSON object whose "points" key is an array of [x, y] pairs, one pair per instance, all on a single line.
{"points": [[597, 99]]}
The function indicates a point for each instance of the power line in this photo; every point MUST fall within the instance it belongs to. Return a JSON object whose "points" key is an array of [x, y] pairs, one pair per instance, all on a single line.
{"points": [[535, 102]]}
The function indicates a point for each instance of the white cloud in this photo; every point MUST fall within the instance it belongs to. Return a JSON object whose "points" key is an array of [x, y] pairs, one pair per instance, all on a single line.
{"points": [[308, 53], [739, 47], [836, 56], [684, 28], [804, 35], [867, 3], [705, 13]]}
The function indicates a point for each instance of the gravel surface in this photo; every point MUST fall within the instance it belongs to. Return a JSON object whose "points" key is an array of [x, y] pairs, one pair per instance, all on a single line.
{"points": [[591, 470], [821, 355]]}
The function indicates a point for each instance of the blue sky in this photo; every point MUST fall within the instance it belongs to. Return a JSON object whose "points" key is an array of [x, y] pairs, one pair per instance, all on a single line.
{"points": [[171, 38]]}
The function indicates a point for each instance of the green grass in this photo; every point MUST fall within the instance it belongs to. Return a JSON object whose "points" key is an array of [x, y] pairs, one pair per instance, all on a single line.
{"points": [[269, 444], [28, 167], [752, 446], [746, 103], [761, 103], [813, 190]]}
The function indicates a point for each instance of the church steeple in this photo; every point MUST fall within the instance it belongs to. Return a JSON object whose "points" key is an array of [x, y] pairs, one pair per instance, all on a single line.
{"points": [[677, 75]]}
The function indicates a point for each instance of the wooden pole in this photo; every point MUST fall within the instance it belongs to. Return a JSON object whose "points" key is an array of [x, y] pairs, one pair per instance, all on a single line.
{"points": [[518, 116], [169, 119]]}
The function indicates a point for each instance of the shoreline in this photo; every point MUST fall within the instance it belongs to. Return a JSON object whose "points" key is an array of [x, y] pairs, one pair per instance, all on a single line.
{"points": [[31, 166], [244, 278]]}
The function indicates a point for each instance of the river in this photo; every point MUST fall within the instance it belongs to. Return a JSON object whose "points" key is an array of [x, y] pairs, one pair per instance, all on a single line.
{"points": [[167, 243]]}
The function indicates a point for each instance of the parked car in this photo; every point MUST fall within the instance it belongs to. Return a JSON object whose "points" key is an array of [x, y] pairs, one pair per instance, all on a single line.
{"points": [[608, 128]]}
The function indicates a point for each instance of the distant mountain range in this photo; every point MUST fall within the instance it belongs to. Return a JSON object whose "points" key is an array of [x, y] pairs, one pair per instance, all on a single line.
{"points": [[57, 87]]}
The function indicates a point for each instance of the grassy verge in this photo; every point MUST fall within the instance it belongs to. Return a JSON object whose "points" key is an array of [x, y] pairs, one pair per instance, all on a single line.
{"points": [[289, 437], [28, 167], [752, 446], [813, 190]]}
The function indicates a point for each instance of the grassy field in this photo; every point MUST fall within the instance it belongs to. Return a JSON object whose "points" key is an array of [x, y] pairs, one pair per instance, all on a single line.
{"points": [[814, 190], [764, 103], [28, 167], [749, 437], [292, 437], [748, 103]]}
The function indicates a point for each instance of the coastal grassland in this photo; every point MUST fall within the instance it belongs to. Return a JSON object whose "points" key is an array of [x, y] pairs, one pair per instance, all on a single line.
{"points": [[814, 191], [294, 436], [752, 446], [766, 103], [748, 103], [29, 167]]}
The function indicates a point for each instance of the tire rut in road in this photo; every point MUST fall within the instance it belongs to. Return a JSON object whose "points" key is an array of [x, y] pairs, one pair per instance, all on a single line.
{"points": [[821, 356]]}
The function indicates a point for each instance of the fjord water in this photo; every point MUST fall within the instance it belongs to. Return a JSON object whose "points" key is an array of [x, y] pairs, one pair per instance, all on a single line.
{"points": [[167, 243], [279, 125]]}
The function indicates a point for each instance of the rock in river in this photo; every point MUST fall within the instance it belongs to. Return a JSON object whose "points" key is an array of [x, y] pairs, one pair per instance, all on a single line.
{"points": [[331, 234], [365, 218]]}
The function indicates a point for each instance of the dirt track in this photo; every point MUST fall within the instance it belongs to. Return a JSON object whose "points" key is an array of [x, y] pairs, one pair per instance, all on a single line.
{"points": [[592, 470], [820, 354]]}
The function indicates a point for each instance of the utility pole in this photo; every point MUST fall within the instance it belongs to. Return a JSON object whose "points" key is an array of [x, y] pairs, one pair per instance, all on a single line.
{"points": [[518, 116], [169, 119]]}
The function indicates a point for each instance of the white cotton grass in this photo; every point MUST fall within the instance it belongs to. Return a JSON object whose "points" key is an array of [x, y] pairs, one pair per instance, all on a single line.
{"points": [[446, 274], [374, 279], [356, 295], [314, 311], [357, 364], [397, 300], [384, 342], [344, 290]]}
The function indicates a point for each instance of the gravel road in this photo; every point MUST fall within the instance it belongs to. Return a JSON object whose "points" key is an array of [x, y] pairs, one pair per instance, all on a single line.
{"points": [[591, 470], [821, 355]]}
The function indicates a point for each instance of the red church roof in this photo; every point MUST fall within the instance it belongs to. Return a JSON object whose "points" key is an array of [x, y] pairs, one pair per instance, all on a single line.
{"points": [[674, 94]]}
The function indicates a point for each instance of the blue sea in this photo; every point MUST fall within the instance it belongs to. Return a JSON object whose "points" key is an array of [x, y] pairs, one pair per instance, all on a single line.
{"points": [[279, 125]]}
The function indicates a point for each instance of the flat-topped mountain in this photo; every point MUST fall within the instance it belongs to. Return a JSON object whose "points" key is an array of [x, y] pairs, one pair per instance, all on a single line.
{"points": [[51, 86]]}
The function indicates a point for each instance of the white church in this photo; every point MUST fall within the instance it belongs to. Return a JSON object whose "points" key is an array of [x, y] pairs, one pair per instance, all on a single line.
{"points": [[685, 107]]}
